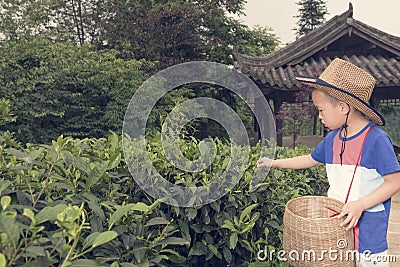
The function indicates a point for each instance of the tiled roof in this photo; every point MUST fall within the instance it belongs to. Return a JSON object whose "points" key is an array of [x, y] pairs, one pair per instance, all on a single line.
{"points": [[310, 54], [386, 71]]}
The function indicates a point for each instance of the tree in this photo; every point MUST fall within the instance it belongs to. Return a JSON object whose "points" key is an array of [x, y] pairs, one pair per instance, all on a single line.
{"points": [[65, 89], [23, 19], [311, 15], [71, 66], [80, 20], [175, 31], [260, 41], [167, 32], [59, 20]]}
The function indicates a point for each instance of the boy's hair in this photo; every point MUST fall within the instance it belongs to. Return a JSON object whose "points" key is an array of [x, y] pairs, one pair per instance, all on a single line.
{"points": [[336, 101]]}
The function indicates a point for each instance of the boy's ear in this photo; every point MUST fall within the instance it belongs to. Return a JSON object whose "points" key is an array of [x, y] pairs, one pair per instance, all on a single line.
{"points": [[344, 107]]}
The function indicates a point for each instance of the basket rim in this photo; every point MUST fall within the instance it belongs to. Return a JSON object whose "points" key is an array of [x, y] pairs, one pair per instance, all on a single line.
{"points": [[291, 213]]}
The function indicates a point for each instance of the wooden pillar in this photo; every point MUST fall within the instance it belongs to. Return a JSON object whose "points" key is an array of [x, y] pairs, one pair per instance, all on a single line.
{"points": [[278, 122], [264, 129], [253, 132]]}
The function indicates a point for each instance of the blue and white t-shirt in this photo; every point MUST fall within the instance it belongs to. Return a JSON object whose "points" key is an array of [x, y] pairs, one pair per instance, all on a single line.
{"points": [[377, 159]]}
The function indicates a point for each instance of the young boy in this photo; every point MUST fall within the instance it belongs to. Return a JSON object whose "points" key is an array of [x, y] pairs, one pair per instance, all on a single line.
{"points": [[361, 165]]}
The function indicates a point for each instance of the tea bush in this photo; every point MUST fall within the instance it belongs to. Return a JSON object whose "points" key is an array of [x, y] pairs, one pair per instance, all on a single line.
{"points": [[74, 203]]}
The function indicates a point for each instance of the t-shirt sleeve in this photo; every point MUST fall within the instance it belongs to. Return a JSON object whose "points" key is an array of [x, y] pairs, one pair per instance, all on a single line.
{"points": [[318, 154], [323, 151], [384, 156]]}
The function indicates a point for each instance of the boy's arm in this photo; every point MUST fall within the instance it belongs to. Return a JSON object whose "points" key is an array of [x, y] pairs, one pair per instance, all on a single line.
{"points": [[354, 209], [300, 162]]}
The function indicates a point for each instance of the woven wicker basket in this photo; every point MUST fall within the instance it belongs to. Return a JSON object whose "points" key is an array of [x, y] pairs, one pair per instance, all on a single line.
{"points": [[311, 237]]}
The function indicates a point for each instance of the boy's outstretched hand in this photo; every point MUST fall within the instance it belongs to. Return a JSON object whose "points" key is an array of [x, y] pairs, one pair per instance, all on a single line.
{"points": [[264, 163]]}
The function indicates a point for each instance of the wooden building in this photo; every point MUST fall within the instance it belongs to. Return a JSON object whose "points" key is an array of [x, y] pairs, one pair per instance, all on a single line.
{"points": [[342, 36]]}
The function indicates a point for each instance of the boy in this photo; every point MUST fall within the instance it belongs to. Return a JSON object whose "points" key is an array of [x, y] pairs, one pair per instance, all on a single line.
{"points": [[362, 168]]}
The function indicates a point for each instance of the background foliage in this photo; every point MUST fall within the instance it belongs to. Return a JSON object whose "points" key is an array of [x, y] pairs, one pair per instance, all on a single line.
{"points": [[164, 31], [311, 14], [391, 114], [65, 89], [71, 67]]}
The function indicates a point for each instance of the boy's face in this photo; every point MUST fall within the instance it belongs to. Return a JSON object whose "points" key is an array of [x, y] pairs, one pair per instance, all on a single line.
{"points": [[330, 113]]}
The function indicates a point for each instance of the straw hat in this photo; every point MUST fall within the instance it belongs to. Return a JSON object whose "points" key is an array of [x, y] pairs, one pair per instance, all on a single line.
{"points": [[348, 83]]}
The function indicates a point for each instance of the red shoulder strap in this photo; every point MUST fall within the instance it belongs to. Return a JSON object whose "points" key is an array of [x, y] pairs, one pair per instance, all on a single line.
{"points": [[357, 163]]}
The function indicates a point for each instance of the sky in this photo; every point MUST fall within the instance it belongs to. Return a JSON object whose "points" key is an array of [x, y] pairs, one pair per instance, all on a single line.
{"points": [[278, 14]]}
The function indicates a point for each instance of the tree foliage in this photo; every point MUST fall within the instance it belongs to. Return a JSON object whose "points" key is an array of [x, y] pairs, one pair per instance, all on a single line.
{"points": [[6, 115], [59, 20], [65, 89], [296, 115], [258, 41], [70, 67], [310, 15], [163, 31], [175, 31], [391, 114]]}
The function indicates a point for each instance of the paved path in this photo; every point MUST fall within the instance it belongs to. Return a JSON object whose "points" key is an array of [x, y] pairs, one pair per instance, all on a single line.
{"points": [[394, 230]]}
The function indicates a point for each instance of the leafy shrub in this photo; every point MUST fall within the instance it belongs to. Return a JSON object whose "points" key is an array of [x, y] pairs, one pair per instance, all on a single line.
{"points": [[391, 115], [74, 203]]}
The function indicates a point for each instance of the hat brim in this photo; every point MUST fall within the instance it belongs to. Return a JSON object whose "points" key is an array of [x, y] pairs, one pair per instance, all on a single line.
{"points": [[344, 96]]}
